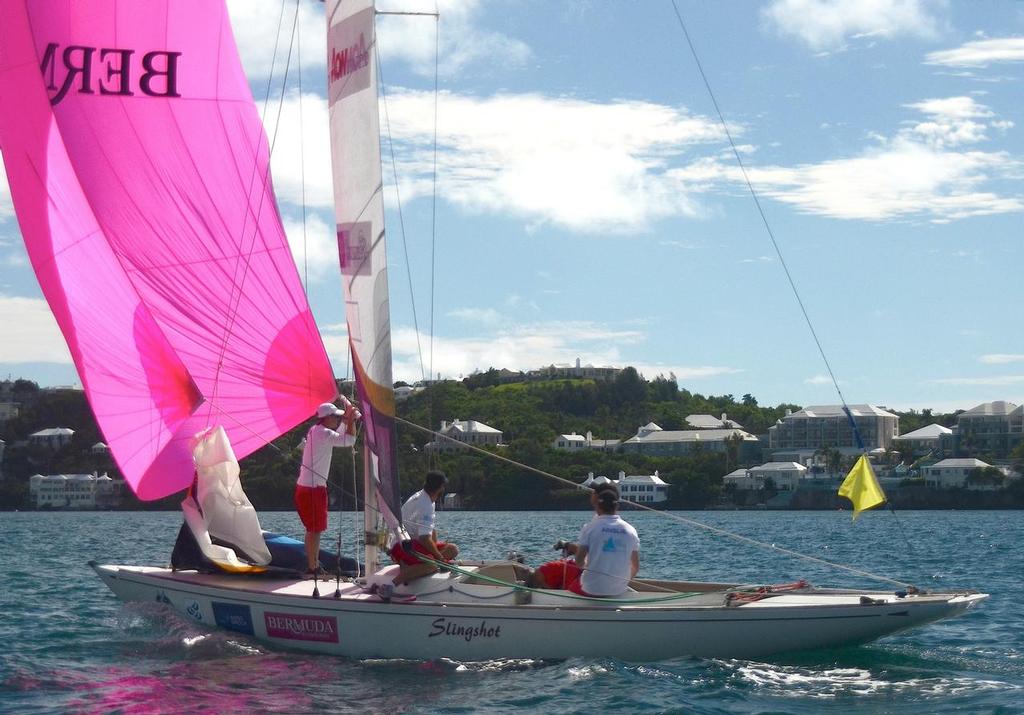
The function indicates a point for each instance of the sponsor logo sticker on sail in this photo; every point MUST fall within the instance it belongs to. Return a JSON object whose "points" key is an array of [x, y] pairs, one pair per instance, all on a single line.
{"points": [[349, 45]]}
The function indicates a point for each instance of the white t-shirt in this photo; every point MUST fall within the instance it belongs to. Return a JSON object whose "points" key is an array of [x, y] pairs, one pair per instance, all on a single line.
{"points": [[610, 544], [418, 514], [317, 453]]}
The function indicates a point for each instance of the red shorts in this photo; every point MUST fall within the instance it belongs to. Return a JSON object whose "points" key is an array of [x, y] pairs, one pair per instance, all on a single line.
{"points": [[561, 574], [311, 503], [402, 557]]}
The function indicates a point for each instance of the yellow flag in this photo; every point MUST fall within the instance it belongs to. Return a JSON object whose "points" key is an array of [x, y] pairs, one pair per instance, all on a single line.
{"points": [[861, 487]]}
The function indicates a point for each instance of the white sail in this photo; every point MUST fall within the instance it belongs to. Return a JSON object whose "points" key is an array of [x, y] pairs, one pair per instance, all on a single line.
{"points": [[359, 214]]}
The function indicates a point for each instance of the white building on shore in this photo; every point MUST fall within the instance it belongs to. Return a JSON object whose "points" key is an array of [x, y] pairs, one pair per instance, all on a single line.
{"points": [[785, 476], [460, 432], [640, 488], [75, 491]]}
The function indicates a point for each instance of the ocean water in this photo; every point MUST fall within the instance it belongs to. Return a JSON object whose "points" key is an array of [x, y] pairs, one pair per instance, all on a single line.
{"points": [[68, 645]]}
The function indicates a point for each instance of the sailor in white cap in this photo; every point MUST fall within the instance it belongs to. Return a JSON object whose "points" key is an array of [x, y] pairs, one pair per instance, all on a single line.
{"points": [[335, 427]]}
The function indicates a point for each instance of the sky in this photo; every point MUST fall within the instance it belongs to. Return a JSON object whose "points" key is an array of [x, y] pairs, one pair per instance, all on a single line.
{"points": [[589, 205]]}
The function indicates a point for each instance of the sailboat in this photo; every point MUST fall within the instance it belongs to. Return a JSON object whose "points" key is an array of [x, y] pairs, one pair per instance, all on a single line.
{"points": [[139, 170]]}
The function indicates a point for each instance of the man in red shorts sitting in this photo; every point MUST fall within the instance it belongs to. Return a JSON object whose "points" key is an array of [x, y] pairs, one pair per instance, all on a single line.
{"points": [[311, 488], [418, 520], [562, 574]]}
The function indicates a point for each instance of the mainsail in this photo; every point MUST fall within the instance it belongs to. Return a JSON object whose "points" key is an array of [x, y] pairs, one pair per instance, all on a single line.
{"points": [[139, 171], [359, 212]]}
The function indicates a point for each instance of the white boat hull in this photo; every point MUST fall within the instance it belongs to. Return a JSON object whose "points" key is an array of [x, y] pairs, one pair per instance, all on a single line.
{"points": [[483, 622]]}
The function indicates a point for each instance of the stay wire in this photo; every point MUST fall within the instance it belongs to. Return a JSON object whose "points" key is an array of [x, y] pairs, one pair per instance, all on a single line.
{"points": [[665, 514], [398, 195], [775, 243], [433, 209]]}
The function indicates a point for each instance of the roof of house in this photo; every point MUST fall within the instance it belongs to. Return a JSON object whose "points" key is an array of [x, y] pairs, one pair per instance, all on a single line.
{"points": [[572, 437], [471, 426], [53, 432], [643, 479], [693, 435], [736, 474], [932, 431], [837, 411], [985, 409], [711, 422], [960, 463], [780, 467]]}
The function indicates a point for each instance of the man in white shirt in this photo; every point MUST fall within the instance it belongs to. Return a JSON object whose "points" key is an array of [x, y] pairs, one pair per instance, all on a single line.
{"points": [[608, 548], [311, 488], [418, 519]]}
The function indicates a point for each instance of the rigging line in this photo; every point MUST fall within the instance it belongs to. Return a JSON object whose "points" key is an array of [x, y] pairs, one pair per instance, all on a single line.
{"points": [[302, 160], [398, 194], [236, 297], [775, 244], [302, 184], [433, 210], [252, 181], [674, 517], [757, 202]]}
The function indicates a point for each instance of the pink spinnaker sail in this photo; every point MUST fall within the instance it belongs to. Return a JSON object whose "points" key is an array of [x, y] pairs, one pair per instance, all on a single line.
{"points": [[138, 166]]}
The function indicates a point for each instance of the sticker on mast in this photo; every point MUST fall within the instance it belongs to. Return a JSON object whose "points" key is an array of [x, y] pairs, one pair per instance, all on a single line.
{"points": [[349, 47], [355, 248]]}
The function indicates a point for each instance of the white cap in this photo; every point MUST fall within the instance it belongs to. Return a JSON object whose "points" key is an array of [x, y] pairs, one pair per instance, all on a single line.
{"points": [[328, 409]]}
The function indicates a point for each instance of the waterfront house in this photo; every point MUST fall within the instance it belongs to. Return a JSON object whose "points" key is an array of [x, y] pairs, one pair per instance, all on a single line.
{"points": [[640, 488], [75, 491], [460, 432], [785, 476], [653, 440], [993, 428], [52, 438], [576, 442], [953, 473], [933, 438], [603, 373], [828, 426]]}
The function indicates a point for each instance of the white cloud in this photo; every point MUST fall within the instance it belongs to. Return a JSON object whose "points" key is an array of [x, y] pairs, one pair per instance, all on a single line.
{"points": [[527, 347], [759, 259], [827, 24], [980, 53], [462, 42], [993, 381], [476, 315], [315, 250], [256, 27], [1000, 359], [30, 332], [952, 121], [404, 38], [295, 140], [920, 172], [580, 165], [818, 380]]}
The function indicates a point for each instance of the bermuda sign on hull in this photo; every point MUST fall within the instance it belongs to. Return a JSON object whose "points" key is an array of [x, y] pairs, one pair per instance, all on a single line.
{"points": [[296, 627]]}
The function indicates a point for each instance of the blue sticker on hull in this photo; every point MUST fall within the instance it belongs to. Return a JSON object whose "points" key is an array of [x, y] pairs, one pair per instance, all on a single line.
{"points": [[233, 616]]}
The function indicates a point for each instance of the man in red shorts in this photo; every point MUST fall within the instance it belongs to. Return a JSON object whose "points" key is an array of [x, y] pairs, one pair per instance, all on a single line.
{"points": [[311, 488], [562, 574], [418, 520]]}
